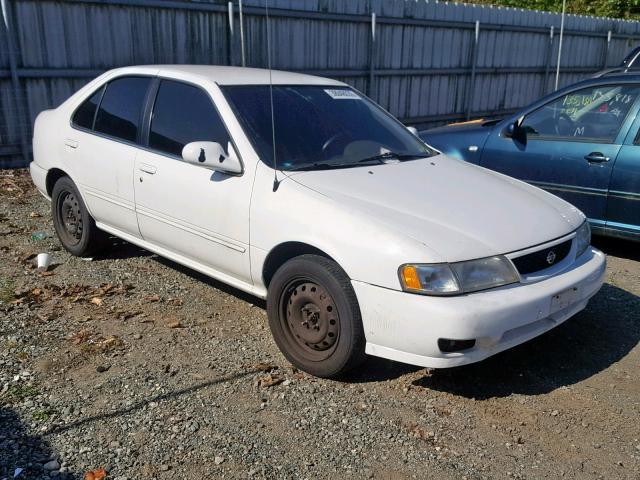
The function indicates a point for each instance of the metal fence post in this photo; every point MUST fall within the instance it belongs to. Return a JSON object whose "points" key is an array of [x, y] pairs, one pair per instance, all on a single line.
{"points": [[242, 55], [372, 55], [20, 110], [230, 36], [564, 9], [474, 60], [606, 52], [547, 68]]}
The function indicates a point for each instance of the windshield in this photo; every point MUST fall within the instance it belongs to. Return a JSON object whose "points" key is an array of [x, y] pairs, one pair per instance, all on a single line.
{"points": [[320, 127]]}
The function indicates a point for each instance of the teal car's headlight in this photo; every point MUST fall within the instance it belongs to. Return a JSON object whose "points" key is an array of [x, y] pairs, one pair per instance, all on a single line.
{"points": [[583, 238], [457, 278]]}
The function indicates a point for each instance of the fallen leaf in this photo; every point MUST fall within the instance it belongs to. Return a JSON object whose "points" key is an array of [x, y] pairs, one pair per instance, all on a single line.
{"points": [[47, 274], [28, 257], [96, 301], [35, 215], [152, 298], [174, 324], [176, 302], [270, 380], [80, 337], [45, 317], [263, 367], [97, 474], [126, 315], [109, 343], [102, 345]]}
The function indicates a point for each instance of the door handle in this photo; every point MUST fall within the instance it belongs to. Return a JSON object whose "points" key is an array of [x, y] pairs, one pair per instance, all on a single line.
{"points": [[70, 142], [596, 157], [150, 169]]}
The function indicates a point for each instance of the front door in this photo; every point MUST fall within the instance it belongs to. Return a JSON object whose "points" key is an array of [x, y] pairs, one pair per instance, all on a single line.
{"points": [[189, 210], [623, 208], [568, 146]]}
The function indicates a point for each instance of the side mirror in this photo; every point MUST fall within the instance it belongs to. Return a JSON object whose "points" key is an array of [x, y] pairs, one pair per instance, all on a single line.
{"points": [[413, 130], [514, 130], [211, 155]]}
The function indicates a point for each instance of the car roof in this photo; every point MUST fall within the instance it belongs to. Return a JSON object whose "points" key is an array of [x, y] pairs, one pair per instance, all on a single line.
{"points": [[224, 75], [605, 78]]}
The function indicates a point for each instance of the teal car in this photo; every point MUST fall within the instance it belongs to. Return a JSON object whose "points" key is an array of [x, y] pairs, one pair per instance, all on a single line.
{"points": [[581, 143]]}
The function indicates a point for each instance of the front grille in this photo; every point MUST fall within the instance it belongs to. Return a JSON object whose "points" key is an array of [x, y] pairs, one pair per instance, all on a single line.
{"points": [[545, 258]]}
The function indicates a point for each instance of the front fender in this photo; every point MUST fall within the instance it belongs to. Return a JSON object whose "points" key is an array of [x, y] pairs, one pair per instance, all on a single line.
{"points": [[367, 250], [458, 141]]}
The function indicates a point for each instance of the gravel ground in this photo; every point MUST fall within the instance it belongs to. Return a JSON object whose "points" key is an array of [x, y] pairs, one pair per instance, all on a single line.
{"points": [[135, 365]]}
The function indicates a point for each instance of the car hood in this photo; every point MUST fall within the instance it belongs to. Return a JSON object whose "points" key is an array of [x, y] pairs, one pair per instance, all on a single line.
{"points": [[455, 140], [458, 210], [474, 126]]}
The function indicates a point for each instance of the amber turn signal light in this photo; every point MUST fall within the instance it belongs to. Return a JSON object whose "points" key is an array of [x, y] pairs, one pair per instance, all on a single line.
{"points": [[410, 277]]}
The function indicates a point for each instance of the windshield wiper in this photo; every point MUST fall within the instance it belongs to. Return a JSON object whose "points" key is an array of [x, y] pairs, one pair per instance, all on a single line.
{"points": [[389, 155], [320, 166], [375, 158]]}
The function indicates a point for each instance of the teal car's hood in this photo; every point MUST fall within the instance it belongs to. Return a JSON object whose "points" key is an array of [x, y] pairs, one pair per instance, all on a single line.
{"points": [[463, 141], [464, 127]]}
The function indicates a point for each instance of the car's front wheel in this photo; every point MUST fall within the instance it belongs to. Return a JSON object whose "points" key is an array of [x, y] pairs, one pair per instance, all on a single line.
{"points": [[75, 228], [314, 316]]}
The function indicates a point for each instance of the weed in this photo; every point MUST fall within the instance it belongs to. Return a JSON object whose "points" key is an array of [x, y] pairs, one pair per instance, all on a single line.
{"points": [[18, 393], [7, 291], [43, 415], [22, 356]]}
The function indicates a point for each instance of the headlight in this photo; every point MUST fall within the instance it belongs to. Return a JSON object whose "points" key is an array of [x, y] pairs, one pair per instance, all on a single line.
{"points": [[583, 238], [456, 278]]}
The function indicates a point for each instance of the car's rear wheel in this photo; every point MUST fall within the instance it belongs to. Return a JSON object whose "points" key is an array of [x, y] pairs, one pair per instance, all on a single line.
{"points": [[75, 228], [314, 316]]}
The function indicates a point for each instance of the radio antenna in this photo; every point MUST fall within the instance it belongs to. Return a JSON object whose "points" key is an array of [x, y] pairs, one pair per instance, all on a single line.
{"points": [[276, 182]]}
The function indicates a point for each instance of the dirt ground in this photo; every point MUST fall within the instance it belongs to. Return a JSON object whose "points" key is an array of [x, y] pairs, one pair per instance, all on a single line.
{"points": [[135, 365]]}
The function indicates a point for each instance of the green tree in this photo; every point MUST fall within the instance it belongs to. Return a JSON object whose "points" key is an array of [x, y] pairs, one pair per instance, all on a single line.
{"points": [[629, 9]]}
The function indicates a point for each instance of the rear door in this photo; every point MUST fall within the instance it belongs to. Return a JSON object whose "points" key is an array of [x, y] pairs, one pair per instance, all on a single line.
{"points": [[623, 207], [101, 147], [569, 145]]}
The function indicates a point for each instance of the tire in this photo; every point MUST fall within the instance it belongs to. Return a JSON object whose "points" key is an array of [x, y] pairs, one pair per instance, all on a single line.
{"points": [[75, 228], [314, 316]]}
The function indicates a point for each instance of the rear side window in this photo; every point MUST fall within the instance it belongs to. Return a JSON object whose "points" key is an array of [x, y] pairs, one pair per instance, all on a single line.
{"points": [[121, 108], [182, 114], [86, 112]]}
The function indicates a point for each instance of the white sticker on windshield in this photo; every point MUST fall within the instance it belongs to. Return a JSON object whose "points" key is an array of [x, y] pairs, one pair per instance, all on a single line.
{"points": [[342, 94]]}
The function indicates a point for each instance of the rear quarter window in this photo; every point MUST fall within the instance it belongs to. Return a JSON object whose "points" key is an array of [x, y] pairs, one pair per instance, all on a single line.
{"points": [[84, 115]]}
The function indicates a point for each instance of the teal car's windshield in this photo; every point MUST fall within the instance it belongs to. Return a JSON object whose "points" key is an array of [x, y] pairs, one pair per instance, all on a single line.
{"points": [[319, 127]]}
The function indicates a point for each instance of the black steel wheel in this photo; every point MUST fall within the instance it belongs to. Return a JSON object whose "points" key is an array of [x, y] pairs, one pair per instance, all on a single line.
{"points": [[310, 319], [314, 316], [71, 215], [74, 226]]}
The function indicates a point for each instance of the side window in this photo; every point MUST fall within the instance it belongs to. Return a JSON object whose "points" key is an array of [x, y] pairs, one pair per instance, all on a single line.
{"points": [[591, 114], [86, 112], [121, 108], [181, 114]]}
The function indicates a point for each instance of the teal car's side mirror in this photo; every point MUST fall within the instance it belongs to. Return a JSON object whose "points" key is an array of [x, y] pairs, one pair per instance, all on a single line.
{"points": [[514, 130]]}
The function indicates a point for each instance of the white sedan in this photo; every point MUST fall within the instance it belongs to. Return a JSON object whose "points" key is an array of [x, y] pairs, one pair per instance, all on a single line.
{"points": [[301, 190]]}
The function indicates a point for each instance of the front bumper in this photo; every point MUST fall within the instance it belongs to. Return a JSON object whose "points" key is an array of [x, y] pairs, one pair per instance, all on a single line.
{"points": [[406, 327]]}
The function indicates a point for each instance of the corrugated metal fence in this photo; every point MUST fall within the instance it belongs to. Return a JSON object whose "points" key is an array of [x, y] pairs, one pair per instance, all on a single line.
{"points": [[426, 62]]}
